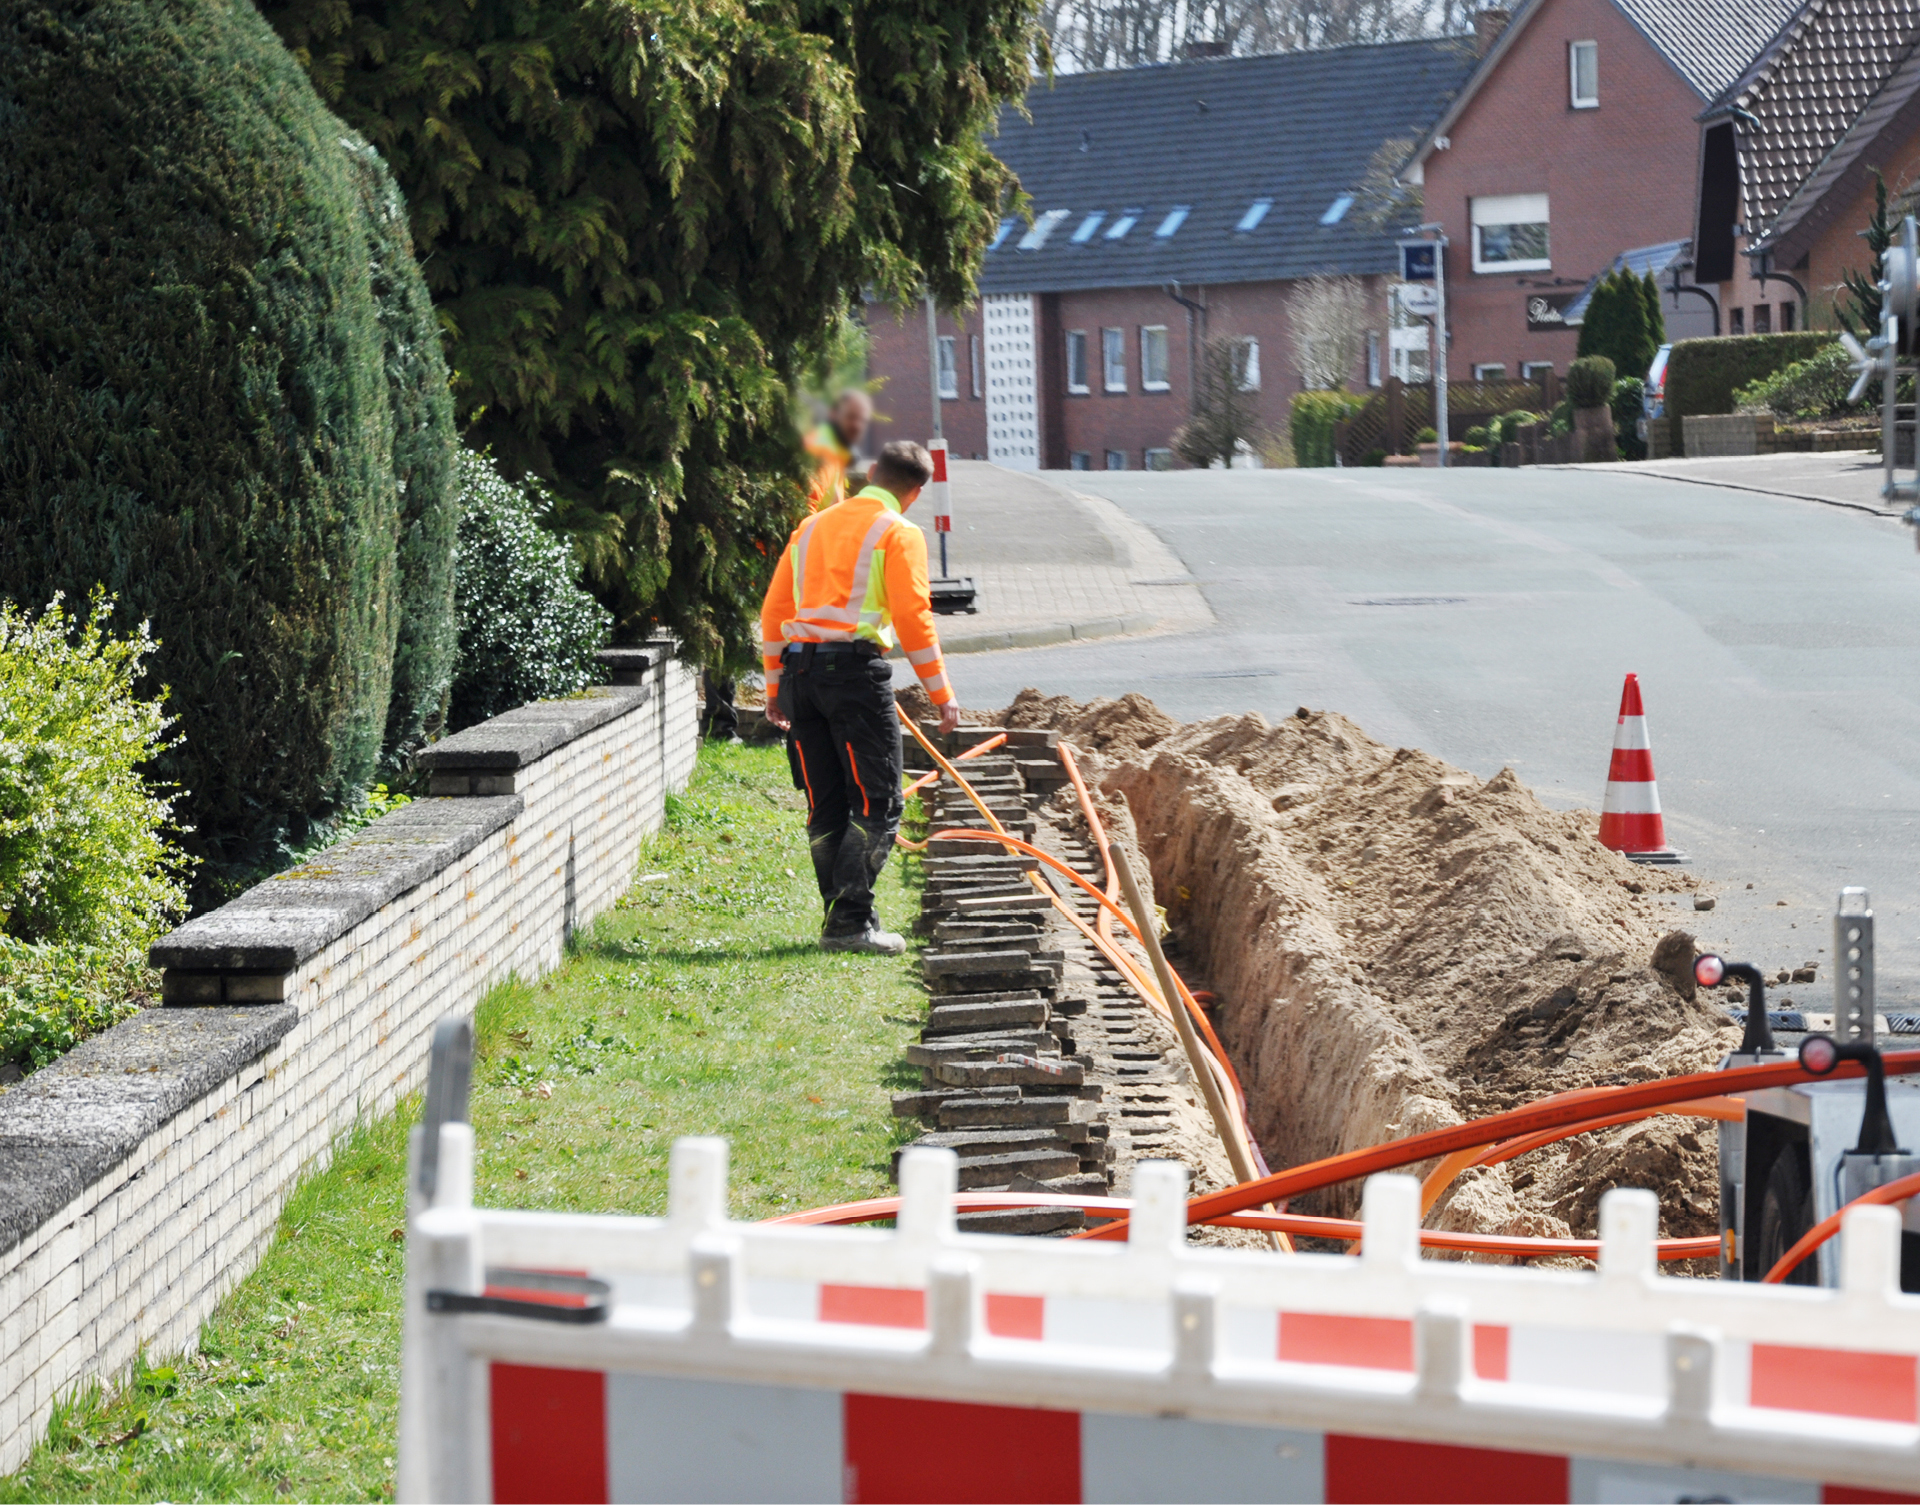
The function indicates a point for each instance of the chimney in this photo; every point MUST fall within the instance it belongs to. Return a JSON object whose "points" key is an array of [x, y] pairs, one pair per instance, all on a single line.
{"points": [[1487, 26]]}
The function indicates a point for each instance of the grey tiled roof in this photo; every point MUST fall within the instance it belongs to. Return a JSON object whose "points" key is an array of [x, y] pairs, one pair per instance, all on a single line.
{"points": [[1296, 128], [1801, 96], [1710, 42]]}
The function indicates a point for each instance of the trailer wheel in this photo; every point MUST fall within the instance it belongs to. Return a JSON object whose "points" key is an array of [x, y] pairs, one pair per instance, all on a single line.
{"points": [[1786, 1215]]}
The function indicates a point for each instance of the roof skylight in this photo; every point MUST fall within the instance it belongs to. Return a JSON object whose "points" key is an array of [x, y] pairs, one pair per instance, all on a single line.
{"points": [[1083, 232], [1036, 236], [1006, 228], [1256, 211], [1337, 210], [1128, 219], [1176, 217]]}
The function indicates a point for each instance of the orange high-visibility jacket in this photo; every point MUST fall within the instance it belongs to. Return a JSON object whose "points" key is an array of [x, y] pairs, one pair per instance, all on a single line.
{"points": [[830, 461], [858, 570]]}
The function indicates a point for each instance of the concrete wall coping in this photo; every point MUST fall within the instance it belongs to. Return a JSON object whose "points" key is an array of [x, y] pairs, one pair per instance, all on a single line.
{"points": [[518, 737], [71, 1122]]}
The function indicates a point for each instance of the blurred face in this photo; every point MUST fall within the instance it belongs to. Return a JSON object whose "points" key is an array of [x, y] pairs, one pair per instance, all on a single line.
{"points": [[851, 415]]}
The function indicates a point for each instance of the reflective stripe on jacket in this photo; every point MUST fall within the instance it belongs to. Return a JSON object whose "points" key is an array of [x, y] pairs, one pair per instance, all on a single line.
{"points": [[861, 570], [830, 461]]}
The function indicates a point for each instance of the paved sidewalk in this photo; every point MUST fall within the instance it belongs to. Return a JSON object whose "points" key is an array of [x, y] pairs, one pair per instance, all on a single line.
{"points": [[1843, 478], [1053, 565]]}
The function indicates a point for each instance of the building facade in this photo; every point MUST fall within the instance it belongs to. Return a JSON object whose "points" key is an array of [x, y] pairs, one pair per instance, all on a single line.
{"points": [[1175, 208]]}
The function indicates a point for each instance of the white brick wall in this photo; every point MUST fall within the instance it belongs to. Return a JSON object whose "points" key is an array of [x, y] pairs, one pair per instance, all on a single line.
{"points": [[142, 1255]]}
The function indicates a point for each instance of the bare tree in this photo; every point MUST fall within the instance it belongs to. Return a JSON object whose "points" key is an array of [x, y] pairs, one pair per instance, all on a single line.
{"points": [[1093, 34], [1225, 422], [1327, 317]]}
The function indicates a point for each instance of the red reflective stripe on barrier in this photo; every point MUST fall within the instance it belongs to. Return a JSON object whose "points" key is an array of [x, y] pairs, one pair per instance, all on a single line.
{"points": [[549, 1435], [1853, 1494], [1489, 1352], [901, 1450], [1016, 1316], [1366, 1342], [1385, 1471], [1836, 1382], [873, 1306]]}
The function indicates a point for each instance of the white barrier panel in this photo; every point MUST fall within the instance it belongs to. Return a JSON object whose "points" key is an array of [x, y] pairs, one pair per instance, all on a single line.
{"points": [[941, 487], [748, 1362]]}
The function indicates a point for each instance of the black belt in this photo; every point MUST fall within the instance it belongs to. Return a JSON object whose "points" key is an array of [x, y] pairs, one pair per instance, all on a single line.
{"points": [[803, 654]]}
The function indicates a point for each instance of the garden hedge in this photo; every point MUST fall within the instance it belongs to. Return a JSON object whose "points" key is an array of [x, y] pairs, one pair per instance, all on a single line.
{"points": [[1702, 375], [222, 396], [1313, 416]]}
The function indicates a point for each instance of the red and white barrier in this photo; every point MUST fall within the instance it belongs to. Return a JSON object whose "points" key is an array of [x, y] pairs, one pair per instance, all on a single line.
{"points": [[1630, 818], [746, 1362], [939, 487]]}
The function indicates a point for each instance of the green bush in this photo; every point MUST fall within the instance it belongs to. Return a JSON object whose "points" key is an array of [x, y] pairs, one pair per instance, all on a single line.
{"points": [[1508, 425], [1702, 375], [1313, 416], [1477, 437], [1590, 381], [527, 630], [1615, 325], [1427, 435], [85, 854], [217, 398], [1816, 387], [1629, 407], [52, 996]]}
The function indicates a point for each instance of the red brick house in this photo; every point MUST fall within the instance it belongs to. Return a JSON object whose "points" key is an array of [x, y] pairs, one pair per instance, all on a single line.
{"points": [[1574, 148], [1172, 205], [1788, 153]]}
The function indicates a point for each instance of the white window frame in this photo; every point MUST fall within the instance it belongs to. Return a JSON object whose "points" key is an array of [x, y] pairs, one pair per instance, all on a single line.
{"points": [[1504, 211], [1116, 454], [1374, 375], [1481, 370], [1246, 364], [1532, 370], [949, 369], [1113, 360], [973, 357], [1077, 373], [1041, 229], [1154, 336], [1590, 99]]}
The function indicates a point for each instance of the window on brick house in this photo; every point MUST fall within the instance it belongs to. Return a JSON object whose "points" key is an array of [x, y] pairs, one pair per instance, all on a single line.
{"points": [[1736, 321], [1246, 364], [1077, 361], [949, 377], [1762, 319], [1373, 358], [1159, 459], [1153, 358], [1116, 459], [1583, 75], [1490, 373], [973, 356], [1113, 359], [1080, 459], [1510, 233], [1786, 318]]}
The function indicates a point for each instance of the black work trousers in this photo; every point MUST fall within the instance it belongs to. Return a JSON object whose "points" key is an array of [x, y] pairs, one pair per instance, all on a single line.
{"points": [[845, 751]]}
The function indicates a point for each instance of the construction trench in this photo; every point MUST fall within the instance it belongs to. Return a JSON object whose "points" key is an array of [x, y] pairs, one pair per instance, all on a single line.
{"points": [[1383, 944]]}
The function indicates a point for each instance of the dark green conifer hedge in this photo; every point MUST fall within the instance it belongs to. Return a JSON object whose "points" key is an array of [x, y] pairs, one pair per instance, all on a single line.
{"points": [[221, 396]]}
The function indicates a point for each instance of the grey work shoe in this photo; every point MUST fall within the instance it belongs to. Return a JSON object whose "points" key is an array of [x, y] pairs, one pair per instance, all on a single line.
{"points": [[874, 940]]}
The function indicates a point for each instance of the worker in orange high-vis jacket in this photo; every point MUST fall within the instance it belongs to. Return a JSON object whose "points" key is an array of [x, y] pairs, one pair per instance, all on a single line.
{"points": [[831, 445], [853, 576]]}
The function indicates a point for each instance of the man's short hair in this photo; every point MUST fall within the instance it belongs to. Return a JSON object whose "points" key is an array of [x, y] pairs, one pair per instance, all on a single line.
{"points": [[903, 466]]}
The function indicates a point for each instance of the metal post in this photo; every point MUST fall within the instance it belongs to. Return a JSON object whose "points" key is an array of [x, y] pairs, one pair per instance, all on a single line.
{"points": [[1440, 344], [933, 367], [1853, 1003]]}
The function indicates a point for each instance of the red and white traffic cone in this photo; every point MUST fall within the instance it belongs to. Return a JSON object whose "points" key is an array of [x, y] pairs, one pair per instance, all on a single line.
{"points": [[1630, 820]]}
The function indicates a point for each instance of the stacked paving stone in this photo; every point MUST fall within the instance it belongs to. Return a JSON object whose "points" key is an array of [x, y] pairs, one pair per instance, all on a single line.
{"points": [[1039, 1068]]}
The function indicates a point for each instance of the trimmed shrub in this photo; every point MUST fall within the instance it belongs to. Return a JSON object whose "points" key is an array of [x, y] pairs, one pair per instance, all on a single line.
{"points": [[85, 855], [1590, 382], [1313, 416], [1506, 428], [1816, 387], [527, 629], [1615, 325], [1477, 437], [1656, 316], [200, 387], [1702, 375], [1629, 407]]}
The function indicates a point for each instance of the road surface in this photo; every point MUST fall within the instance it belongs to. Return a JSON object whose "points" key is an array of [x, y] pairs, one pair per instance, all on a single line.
{"points": [[1489, 616]]}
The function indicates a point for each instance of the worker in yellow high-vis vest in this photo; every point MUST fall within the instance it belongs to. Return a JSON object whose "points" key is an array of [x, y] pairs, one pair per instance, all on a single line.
{"points": [[852, 577], [830, 447]]}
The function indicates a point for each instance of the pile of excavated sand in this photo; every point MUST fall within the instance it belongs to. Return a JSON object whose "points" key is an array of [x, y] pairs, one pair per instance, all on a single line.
{"points": [[1396, 945]]}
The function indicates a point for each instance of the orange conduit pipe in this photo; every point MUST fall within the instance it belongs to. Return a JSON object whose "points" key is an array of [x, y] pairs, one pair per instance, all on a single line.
{"points": [[879, 1208], [1826, 1228], [972, 752], [1501, 1126]]}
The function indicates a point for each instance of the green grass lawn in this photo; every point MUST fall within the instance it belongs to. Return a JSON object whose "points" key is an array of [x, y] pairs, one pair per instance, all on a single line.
{"points": [[699, 1006]]}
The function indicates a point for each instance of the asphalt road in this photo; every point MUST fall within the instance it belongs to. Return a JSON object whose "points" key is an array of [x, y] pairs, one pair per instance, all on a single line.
{"points": [[1489, 617]]}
